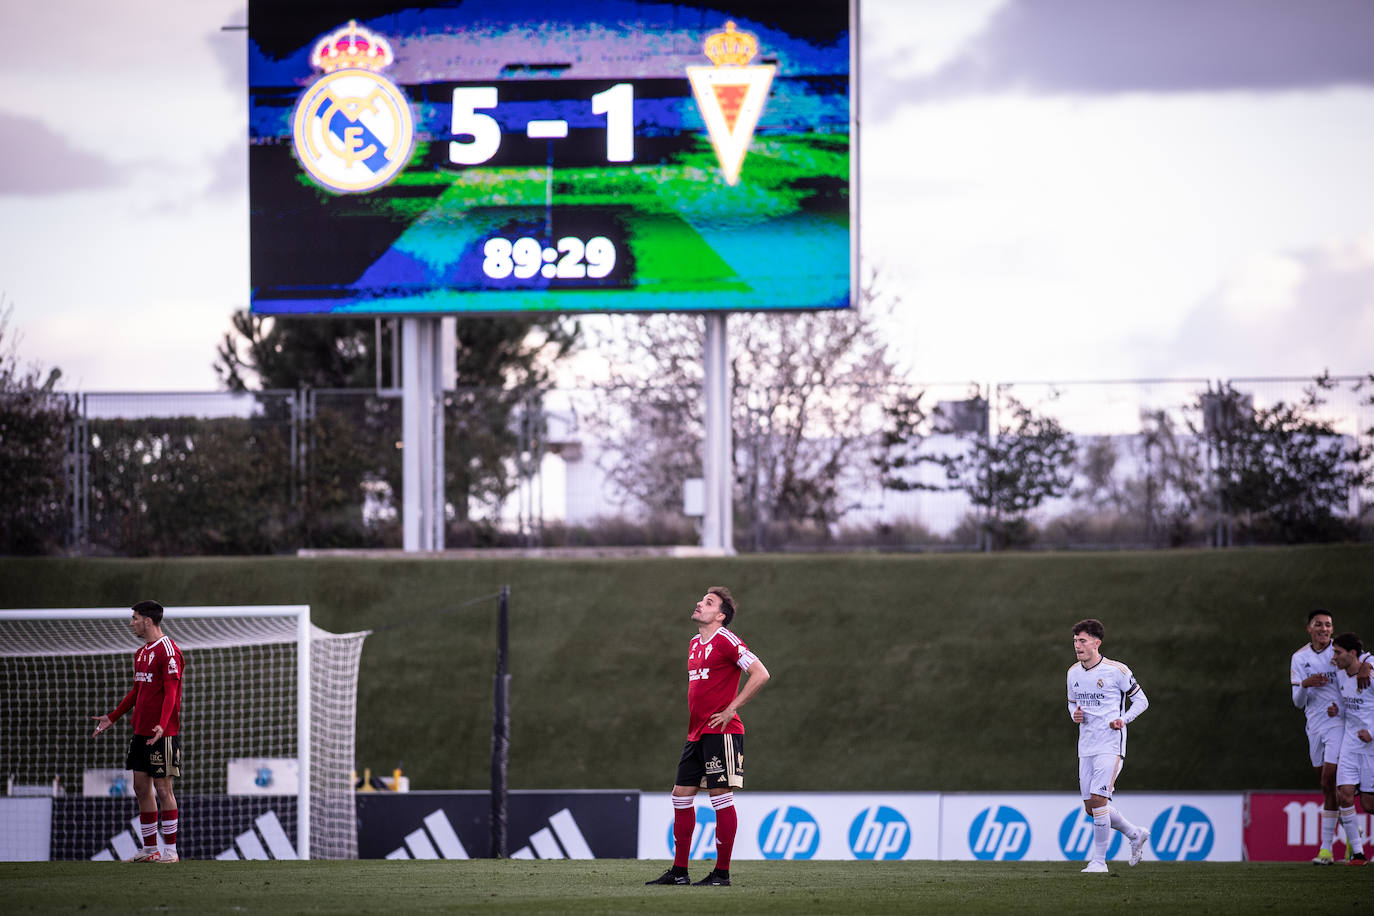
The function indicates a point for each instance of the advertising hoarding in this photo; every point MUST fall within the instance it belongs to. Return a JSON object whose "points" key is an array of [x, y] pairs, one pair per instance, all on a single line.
{"points": [[1286, 827], [806, 825], [1053, 826]]}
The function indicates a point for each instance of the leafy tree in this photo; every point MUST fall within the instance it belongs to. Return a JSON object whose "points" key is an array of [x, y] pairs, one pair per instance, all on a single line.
{"points": [[34, 425], [1030, 460], [168, 486], [265, 353], [1284, 473], [502, 366], [907, 428]]}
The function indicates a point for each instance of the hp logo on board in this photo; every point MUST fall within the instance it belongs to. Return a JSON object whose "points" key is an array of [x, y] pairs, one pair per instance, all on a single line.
{"points": [[1182, 833], [703, 838], [999, 833], [1076, 837], [789, 832], [879, 833]]}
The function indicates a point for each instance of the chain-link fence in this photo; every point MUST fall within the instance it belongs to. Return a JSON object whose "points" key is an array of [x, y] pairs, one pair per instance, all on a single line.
{"points": [[1168, 462]]}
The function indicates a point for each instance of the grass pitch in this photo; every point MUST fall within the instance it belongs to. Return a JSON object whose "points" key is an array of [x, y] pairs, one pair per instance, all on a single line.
{"points": [[616, 886]]}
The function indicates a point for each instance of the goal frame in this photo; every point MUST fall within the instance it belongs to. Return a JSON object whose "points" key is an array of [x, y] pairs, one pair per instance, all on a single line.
{"points": [[301, 612]]}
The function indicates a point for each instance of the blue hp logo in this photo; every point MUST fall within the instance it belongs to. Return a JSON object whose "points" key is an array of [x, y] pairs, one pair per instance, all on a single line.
{"points": [[1182, 833], [789, 833], [1076, 837], [879, 833], [999, 833], [703, 838]]}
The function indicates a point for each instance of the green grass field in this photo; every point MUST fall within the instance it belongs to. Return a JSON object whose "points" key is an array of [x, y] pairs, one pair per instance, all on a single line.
{"points": [[616, 886]]}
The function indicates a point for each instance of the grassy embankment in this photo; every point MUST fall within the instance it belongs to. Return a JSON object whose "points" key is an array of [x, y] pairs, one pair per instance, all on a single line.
{"points": [[889, 672]]}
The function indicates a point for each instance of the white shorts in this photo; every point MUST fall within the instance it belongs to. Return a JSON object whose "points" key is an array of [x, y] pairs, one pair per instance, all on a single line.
{"points": [[1356, 770], [1325, 746], [1097, 775]]}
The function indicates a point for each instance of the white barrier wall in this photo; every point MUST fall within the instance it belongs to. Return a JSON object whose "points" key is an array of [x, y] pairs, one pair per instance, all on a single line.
{"points": [[1053, 826], [811, 825], [994, 827], [27, 833]]}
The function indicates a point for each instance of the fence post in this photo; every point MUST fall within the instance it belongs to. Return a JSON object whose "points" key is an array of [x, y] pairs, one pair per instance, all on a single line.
{"points": [[77, 466], [500, 729]]}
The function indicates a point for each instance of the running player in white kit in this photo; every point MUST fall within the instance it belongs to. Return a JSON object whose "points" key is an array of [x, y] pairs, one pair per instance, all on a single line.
{"points": [[1312, 676], [1098, 691]]}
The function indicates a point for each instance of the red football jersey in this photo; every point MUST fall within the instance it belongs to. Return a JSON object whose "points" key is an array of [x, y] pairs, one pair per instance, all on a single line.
{"points": [[156, 694], [713, 671]]}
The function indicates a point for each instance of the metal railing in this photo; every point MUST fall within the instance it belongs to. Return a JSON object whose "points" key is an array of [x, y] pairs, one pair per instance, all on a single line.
{"points": [[144, 473]]}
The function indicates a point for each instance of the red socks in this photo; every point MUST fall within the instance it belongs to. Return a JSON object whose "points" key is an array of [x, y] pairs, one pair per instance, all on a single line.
{"points": [[684, 822], [169, 828], [727, 823], [147, 825]]}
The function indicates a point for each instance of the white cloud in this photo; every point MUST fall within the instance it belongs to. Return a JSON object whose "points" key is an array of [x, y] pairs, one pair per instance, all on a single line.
{"points": [[1074, 236], [1043, 237], [1261, 320]]}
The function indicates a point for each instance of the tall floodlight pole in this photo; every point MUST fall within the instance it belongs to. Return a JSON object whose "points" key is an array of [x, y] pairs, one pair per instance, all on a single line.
{"points": [[717, 529], [422, 434]]}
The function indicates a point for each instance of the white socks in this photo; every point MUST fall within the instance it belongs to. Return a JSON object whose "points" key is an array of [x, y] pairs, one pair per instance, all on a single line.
{"points": [[1102, 833], [1351, 826], [1119, 822]]}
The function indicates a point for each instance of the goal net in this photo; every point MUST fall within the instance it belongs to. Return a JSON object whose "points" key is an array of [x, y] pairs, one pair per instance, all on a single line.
{"points": [[268, 715]]}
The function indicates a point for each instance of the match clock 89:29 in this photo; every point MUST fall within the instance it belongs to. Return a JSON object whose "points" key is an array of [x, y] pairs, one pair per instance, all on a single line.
{"points": [[570, 258]]}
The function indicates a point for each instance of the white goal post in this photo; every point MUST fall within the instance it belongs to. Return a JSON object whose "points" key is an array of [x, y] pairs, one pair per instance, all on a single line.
{"points": [[268, 723]]}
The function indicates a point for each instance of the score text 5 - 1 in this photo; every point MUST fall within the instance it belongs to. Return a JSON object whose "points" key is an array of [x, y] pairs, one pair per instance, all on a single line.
{"points": [[526, 257], [616, 103]]}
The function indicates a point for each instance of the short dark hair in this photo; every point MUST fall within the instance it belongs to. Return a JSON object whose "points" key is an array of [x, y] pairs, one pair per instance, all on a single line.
{"points": [[1349, 642], [727, 601], [1092, 626], [150, 609], [1320, 610]]}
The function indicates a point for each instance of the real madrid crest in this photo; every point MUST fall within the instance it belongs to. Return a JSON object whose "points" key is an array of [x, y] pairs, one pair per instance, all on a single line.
{"points": [[352, 129]]}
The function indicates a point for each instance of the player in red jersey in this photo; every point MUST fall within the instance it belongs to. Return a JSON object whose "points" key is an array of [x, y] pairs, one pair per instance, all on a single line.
{"points": [[155, 749], [713, 758]]}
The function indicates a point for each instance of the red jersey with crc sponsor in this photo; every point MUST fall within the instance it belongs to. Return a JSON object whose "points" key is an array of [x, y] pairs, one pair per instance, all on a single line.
{"points": [[156, 694], [714, 667]]}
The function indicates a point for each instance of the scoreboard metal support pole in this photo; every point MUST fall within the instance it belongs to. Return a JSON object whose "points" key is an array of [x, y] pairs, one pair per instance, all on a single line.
{"points": [[422, 434], [718, 528]]}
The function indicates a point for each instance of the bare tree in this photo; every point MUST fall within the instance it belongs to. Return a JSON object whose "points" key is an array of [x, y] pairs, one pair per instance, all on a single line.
{"points": [[805, 409]]}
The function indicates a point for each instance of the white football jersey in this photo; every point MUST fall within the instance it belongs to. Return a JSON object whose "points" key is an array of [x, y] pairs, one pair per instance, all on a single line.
{"points": [[1357, 712], [1101, 692], [1315, 700]]}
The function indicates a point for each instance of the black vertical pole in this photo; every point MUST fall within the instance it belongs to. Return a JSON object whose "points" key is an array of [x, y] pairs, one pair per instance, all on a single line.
{"points": [[500, 730]]}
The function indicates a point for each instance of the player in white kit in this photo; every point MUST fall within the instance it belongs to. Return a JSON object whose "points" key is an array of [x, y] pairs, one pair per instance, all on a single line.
{"points": [[1312, 675], [1098, 691], [1355, 769]]}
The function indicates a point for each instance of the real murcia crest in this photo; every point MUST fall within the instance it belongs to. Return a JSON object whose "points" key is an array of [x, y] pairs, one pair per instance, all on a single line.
{"points": [[352, 130], [731, 95]]}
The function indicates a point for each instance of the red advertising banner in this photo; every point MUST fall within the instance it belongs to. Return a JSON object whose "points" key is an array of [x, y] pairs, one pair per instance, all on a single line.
{"points": [[1286, 827]]}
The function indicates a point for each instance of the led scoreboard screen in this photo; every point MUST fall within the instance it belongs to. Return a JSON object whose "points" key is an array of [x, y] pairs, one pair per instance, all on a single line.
{"points": [[528, 155]]}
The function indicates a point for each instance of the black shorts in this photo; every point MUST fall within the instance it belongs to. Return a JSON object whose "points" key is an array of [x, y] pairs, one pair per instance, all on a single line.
{"points": [[159, 759], [712, 762]]}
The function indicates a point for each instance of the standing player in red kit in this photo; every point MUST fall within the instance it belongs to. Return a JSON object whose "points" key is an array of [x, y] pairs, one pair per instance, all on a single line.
{"points": [[713, 758], [155, 749]]}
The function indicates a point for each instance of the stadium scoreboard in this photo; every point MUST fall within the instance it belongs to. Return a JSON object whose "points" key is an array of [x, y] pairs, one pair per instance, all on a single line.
{"points": [[508, 156]]}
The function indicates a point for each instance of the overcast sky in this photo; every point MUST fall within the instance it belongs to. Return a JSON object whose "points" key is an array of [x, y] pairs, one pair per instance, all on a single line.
{"points": [[1055, 189]]}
